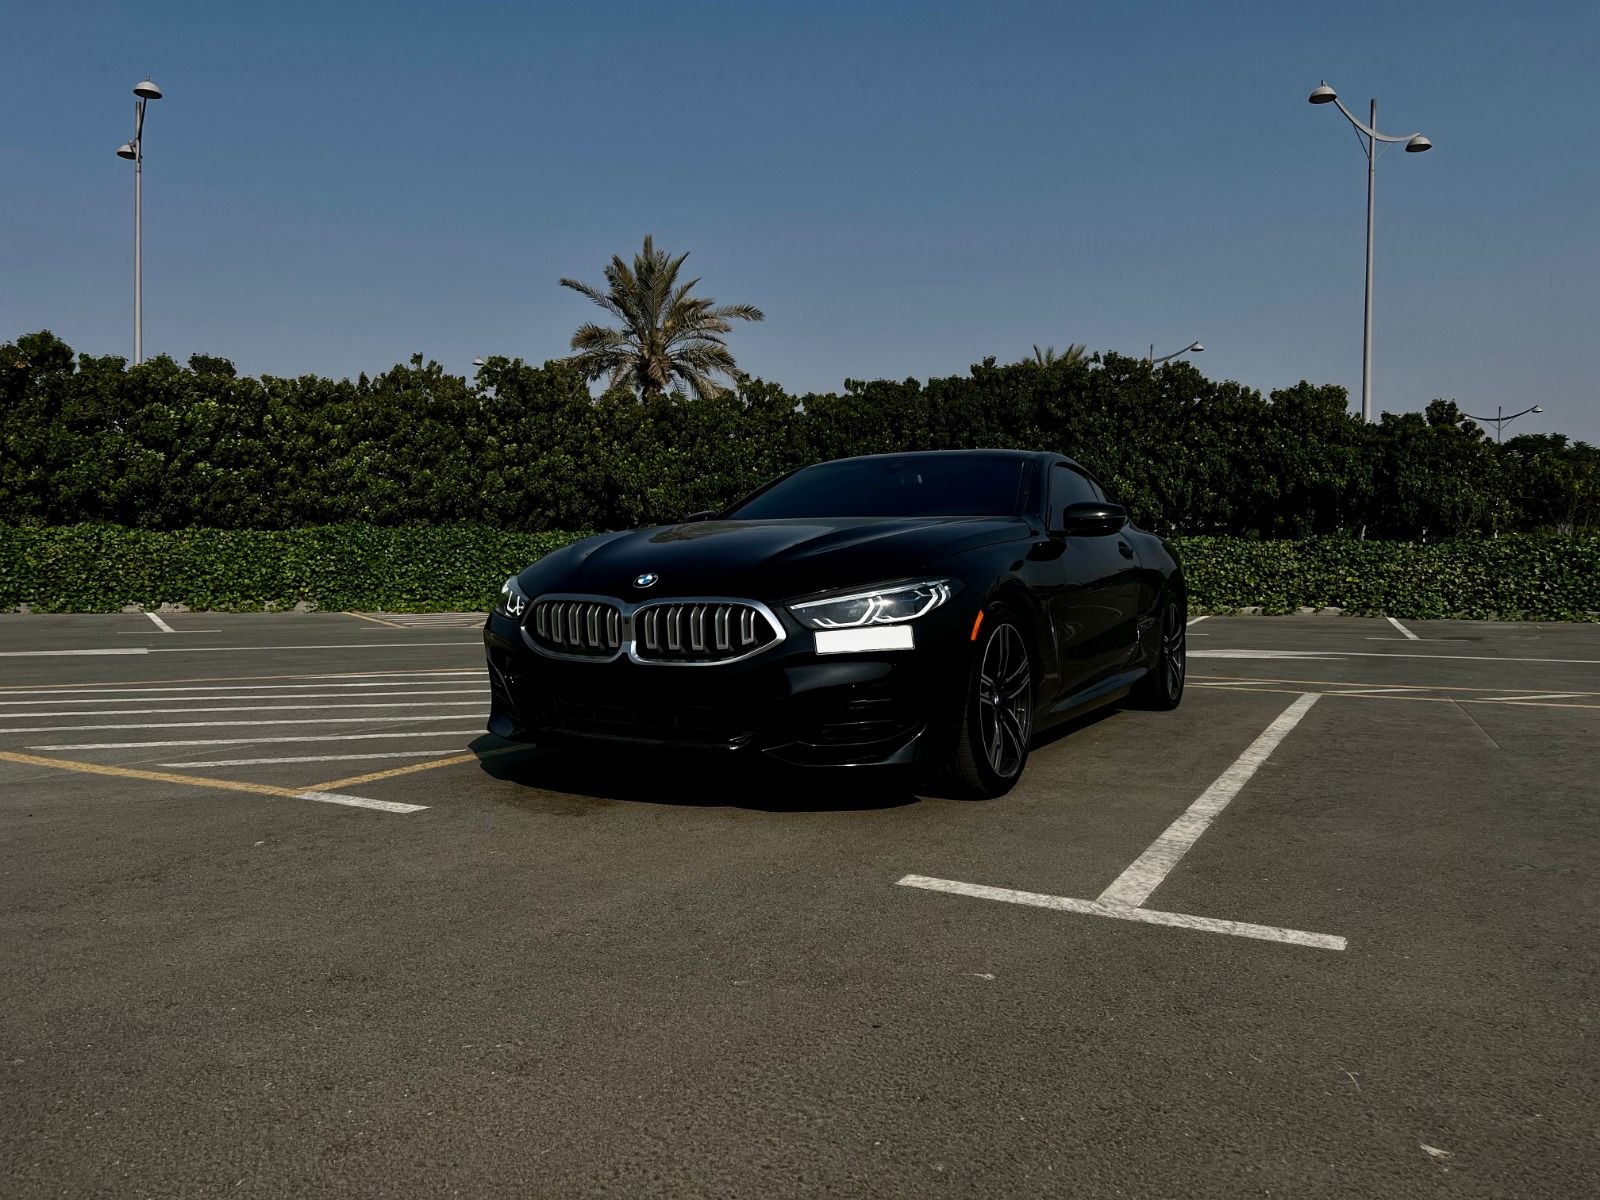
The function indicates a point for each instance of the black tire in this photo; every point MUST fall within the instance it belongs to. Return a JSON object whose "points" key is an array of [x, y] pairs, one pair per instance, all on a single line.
{"points": [[1162, 689], [991, 747]]}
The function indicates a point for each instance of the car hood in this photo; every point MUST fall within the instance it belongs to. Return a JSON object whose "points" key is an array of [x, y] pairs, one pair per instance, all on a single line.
{"points": [[764, 560]]}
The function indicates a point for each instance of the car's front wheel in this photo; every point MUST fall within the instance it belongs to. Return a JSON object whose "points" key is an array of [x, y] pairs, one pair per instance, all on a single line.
{"points": [[997, 711]]}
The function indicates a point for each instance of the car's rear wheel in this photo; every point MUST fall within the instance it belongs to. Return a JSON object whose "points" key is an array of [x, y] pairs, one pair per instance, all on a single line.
{"points": [[991, 747], [1162, 688]]}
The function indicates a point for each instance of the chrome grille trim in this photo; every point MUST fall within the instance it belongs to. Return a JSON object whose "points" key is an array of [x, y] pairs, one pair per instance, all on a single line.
{"points": [[578, 627], [586, 628], [704, 631]]}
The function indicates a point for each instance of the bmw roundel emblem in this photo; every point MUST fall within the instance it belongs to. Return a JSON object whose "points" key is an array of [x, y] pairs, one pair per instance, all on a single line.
{"points": [[646, 580]]}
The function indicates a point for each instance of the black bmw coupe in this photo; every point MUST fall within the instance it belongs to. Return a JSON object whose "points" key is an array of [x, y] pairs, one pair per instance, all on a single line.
{"points": [[932, 609]]}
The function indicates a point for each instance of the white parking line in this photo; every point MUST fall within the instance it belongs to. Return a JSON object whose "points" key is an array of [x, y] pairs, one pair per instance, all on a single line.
{"points": [[221, 724], [1122, 912], [261, 741], [316, 646], [438, 620], [423, 679], [269, 708], [1122, 901], [1262, 654], [178, 700], [311, 758], [234, 649], [49, 653], [212, 683], [1197, 620], [1300, 685], [140, 632], [1403, 629], [160, 624], [233, 785], [1144, 875], [1376, 691], [361, 802], [1581, 662], [1546, 696]]}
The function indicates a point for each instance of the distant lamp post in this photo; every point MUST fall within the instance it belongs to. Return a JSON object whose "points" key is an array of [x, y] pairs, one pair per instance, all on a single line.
{"points": [[1499, 419], [480, 363], [144, 91], [1194, 347], [1369, 137]]}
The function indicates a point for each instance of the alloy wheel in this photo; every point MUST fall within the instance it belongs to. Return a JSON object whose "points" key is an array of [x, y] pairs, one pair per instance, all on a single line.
{"points": [[1005, 700], [1174, 651]]}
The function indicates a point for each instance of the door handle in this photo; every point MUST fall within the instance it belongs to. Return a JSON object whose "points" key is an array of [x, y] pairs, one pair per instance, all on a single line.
{"points": [[1126, 550]]}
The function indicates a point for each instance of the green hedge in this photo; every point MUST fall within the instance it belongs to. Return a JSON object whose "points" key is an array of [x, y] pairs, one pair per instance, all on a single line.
{"points": [[1529, 576], [101, 568], [161, 446]]}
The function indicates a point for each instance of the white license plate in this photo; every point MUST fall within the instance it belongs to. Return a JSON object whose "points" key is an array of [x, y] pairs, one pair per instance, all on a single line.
{"points": [[854, 641]]}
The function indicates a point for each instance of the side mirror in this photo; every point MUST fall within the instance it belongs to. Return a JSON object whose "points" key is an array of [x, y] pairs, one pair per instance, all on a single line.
{"points": [[704, 515], [1088, 518]]}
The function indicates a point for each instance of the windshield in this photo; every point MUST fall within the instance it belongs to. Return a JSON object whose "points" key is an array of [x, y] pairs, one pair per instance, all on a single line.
{"points": [[916, 485]]}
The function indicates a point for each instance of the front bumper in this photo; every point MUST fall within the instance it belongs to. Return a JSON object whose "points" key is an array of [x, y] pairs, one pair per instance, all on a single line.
{"points": [[877, 708]]}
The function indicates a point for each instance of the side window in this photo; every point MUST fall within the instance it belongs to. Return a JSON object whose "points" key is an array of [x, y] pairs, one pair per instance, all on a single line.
{"points": [[1069, 487]]}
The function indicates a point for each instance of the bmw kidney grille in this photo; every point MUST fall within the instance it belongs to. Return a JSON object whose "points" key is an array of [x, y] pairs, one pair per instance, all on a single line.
{"points": [[712, 632], [676, 632], [580, 628]]}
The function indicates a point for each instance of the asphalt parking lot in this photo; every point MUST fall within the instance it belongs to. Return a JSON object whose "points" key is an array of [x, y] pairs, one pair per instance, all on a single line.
{"points": [[280, 919]]}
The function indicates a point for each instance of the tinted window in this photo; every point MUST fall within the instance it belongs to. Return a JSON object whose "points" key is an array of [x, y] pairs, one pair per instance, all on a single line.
{"points": [[1069, 487], [956, 485]]}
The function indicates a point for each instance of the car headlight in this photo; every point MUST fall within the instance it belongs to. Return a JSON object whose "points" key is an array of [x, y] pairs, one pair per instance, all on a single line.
{"points": [[891, 604], [513, 602]]}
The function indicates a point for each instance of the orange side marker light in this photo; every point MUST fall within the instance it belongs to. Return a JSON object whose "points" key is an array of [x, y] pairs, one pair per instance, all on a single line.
{"points": [[976, 625]]}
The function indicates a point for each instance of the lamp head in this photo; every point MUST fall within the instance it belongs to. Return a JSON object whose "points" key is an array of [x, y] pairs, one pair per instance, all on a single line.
{"points": [[1323, 94], [146, 89], [1418, 144], [477, 362], [1538, 408], [1198, 348], [126, 150]]}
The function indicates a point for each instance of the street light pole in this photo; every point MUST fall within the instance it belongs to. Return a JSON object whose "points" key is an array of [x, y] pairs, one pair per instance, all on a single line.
{"points": [[1500, 420], [143, 91], [1370, 137], [1153, 360], [138, 232], [1366, 302]]}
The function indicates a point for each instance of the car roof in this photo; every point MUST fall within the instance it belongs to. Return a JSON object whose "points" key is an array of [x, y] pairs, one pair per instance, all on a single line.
{"points": [[1027, 455], [1022, 454]]}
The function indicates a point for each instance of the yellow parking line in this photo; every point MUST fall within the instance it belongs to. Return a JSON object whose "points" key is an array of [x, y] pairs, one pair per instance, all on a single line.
{"points": [[234, 785], [1297, 691], [413, 768], [68, 764], [1421, 687], [374, 620], [409, 769]]}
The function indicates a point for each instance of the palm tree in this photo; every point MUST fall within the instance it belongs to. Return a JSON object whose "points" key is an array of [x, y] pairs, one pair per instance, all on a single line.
{"points": [[1074, 353], [667, 339]]}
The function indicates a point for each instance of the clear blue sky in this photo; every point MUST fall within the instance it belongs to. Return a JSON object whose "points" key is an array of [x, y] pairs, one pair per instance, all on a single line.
{"points": [[905, 188]]}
